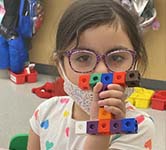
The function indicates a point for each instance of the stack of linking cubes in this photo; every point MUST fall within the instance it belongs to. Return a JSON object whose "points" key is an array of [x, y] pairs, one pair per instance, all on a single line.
{"points": [[106, 124]]}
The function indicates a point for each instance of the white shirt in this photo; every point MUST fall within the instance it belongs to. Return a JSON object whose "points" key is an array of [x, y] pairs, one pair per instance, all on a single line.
{"points": [[53, 123]]}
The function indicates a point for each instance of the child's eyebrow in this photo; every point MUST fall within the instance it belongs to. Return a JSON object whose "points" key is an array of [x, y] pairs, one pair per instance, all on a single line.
{"points": [[118, 48], [111, 49]]}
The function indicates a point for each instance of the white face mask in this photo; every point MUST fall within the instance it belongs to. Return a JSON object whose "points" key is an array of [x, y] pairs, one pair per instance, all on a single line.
{"points": [[81, 97]]}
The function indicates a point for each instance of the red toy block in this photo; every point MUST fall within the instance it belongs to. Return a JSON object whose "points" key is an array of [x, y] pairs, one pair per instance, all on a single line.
{"points": [[17, 78], [103, 114], [104, 127], [32, 77], [119, 78], [84, 82], [159, 104]]}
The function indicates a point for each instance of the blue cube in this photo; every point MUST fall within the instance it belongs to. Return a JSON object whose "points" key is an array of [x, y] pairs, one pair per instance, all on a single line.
{"points": [[107, 78], [129, 125]]}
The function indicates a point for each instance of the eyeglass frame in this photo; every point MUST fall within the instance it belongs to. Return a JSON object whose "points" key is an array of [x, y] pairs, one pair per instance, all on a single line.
{"points": [[99, 57]]}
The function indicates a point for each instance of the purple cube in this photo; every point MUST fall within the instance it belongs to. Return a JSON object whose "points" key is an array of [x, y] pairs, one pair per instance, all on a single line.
{"points": [[92, 127], [115, 126]]}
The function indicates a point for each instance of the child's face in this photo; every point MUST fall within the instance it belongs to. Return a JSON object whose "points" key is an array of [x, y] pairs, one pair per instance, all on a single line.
{"points": [[100, 39]]}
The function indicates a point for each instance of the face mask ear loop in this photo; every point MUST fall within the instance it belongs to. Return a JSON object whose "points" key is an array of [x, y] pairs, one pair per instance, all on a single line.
{"points": [[62, 70]]}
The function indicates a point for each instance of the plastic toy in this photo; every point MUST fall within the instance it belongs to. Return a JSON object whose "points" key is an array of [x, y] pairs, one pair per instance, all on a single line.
{"points": [[106, 124], [28, 75], [159, 100], [50, 89], [19, 142], [129, 78], [141, 97]]}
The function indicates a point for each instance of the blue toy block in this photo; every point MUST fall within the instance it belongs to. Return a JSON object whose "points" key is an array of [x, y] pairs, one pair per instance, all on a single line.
{"points": [[92, 127], [94, 78], [129, 125], [107, 78], [115, 126]]}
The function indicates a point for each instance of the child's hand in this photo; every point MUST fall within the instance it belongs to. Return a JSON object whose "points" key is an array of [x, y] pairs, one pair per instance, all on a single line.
{"points": [[112, 99]]}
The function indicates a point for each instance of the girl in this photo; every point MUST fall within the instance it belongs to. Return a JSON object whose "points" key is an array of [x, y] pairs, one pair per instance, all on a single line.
{"points": [[94, 36]]}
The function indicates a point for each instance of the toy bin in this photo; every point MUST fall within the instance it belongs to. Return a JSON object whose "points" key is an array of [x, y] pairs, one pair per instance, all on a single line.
{"points": [[159, 104], [17, 78], [32, 77]]}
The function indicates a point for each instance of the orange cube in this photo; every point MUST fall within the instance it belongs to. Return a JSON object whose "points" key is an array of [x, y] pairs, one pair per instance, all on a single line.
{"points": [[103, 114]]}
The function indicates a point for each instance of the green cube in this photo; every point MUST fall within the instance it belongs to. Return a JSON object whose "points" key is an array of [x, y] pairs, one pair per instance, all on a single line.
{"points": [[94, 78]]}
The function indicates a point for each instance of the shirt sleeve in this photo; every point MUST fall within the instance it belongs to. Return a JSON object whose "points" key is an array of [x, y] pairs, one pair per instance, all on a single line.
{"points": [[35, 121], [41, 112], [139, 141]]}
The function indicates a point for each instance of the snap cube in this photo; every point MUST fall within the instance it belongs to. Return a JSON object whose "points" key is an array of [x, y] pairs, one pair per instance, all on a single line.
{"points": [[119, 78], [129, 125], [94, 78], [92, 127], [104, 127], [133, 78], [103, 114], [81, 127], [84, 82], [107, 78], [115, 126]]}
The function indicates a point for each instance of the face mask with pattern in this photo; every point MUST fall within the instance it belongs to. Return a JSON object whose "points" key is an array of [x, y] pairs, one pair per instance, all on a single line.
{"points": [[81, 97]]}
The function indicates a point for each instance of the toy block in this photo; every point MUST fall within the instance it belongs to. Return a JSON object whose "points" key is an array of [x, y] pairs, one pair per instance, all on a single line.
{"points": [[159, 104], [133, 78], [107, 78], [94, 78], [92, 127], [103, 114], [81, 127], [84, 82], [104, 127], [119, 78], [129, 125], [17, 78], [115, 126]]}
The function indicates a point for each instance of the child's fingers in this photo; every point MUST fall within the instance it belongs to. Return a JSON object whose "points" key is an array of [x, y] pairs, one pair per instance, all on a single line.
{"points": [[97, 88], [116, 87], [111, 93], [117, 112], [114, 102]]}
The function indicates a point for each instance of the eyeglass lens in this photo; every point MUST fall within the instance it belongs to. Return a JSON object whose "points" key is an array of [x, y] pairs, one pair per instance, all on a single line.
{"points": [[86, 61]]}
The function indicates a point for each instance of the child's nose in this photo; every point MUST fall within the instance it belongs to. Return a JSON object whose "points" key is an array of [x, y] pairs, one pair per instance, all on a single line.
{"points": [[101, 67]]}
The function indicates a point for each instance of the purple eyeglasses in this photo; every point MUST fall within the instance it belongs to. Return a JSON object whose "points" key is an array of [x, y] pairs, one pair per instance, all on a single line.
{"points": [[86, 60]]}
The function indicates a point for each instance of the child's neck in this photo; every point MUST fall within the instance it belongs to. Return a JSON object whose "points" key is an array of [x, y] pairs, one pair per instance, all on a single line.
{"points": [[78, 113]]}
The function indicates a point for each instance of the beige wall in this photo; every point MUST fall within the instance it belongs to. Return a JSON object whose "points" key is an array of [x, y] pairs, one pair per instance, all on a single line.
{"points": [[156, 45], [43, 42]]}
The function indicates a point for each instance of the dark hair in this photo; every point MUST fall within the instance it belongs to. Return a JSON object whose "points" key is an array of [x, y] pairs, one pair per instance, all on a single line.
{"points": [[84, 14]]}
